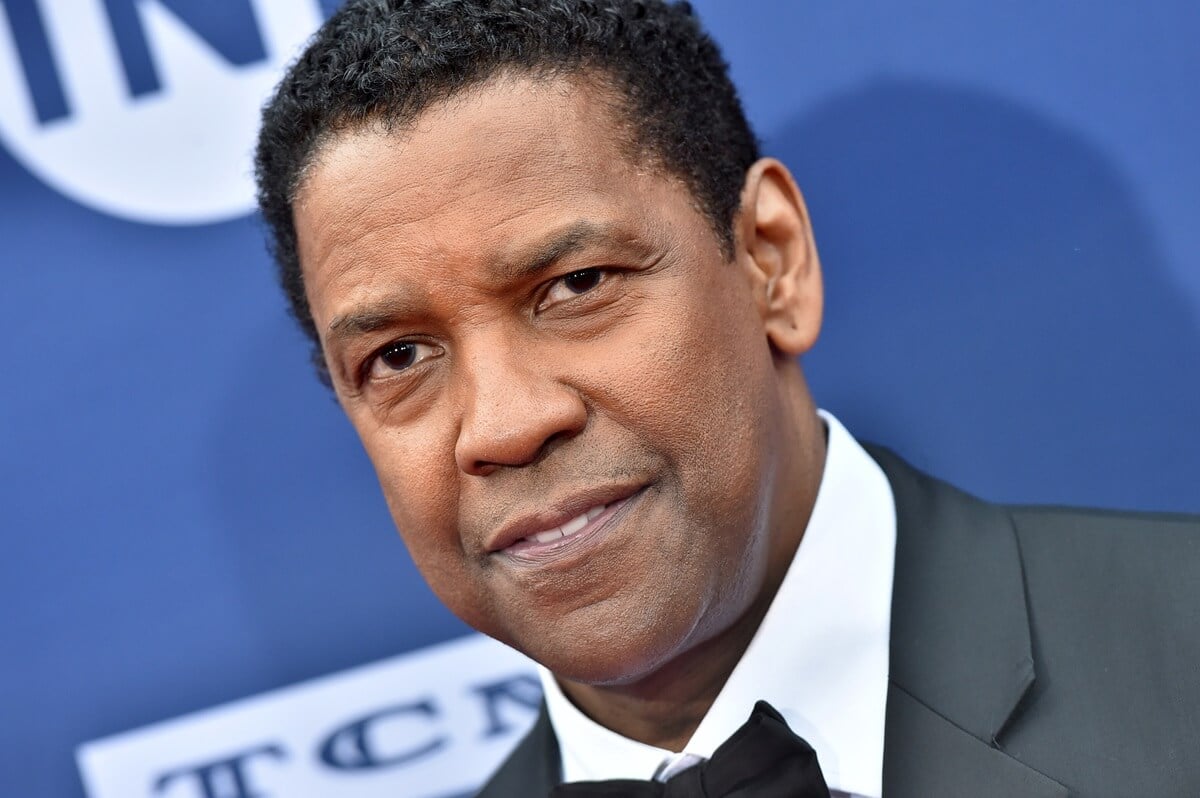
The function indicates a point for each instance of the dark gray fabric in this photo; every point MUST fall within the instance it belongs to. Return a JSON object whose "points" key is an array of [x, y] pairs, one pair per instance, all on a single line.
{"points": [[1036, 652], [927, 756], [532, 769], [1115, 616]]}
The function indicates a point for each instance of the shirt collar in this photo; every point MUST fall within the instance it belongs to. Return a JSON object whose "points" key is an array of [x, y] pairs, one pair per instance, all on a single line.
{"points": [[820, 656]]}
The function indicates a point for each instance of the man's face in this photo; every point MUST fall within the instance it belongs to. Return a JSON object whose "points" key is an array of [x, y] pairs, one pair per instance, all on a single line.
{"points": [[565, 389]]}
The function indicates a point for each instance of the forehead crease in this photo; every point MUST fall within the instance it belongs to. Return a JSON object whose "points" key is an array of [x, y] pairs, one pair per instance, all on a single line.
{"points": [[515, 133], [476, 183], [385, 201]]}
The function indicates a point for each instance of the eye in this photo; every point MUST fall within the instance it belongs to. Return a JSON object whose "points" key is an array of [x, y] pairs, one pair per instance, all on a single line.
{"points": [[399, 356], [572, 285]]}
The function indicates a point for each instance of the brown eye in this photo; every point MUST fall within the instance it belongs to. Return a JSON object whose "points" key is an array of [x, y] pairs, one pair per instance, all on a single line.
{"points": [[400, 356], [572, 285], [582, 281]]}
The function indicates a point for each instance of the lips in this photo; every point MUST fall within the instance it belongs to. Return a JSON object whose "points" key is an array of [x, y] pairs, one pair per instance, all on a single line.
{"points": [[570, 528], [563, 523]]}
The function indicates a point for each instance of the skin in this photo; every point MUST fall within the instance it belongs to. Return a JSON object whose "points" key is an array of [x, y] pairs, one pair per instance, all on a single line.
{"points": [[515, 382]]}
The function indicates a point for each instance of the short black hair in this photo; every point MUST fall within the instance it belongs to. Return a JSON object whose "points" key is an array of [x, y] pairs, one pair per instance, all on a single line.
{"points": [[389, 60]]}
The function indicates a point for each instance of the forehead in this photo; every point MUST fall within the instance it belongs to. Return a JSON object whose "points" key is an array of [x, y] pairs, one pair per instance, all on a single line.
{"points": [[486, 171]]}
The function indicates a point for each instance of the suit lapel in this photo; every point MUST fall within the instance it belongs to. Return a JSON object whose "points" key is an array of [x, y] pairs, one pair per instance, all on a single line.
{"points": [[532, 768], [927, 756], [961, 656]]}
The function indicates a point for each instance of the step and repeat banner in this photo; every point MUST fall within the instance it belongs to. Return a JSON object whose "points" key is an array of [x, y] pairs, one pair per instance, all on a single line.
{"points": [[432, 723], [203, 595]]}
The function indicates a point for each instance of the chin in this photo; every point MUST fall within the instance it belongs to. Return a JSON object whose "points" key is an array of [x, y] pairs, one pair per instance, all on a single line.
{"points": [[613, 651]]}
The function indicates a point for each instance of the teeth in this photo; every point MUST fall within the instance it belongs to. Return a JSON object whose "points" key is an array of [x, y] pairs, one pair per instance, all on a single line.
{"points": [[548, 535], [569, 528], [574, 525]]}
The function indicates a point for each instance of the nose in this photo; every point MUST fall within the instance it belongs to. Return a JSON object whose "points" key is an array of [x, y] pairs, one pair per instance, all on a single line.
{"points": [[513, 410]]}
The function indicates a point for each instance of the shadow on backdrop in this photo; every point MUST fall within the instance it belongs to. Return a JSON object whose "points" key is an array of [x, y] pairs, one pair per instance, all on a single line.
{"points": [[997, 306]]}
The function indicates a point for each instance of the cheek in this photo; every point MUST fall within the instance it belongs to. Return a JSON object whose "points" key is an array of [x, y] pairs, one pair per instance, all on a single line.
{"points": [[693, 385], [420, 487], [699, 379]]}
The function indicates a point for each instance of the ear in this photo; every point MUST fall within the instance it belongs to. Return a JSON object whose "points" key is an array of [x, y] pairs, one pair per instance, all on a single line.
{"points": [[776, 251]]}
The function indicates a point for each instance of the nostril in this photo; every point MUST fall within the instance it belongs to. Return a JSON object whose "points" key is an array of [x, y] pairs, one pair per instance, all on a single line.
{"points": [[513, 433]]}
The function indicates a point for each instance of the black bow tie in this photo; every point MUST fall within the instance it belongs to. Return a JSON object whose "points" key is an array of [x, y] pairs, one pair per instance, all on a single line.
{"points": [[763, 759]]}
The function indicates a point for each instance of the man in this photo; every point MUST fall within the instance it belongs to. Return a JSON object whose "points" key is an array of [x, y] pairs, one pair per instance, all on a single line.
{"points": [[561, 298]]}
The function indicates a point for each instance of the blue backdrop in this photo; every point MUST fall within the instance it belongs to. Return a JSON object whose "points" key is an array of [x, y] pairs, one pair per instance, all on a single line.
{"points": [[1005, 197]]}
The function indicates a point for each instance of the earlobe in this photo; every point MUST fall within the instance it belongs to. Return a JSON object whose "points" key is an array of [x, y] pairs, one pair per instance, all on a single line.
{"points": [[777, 252]]}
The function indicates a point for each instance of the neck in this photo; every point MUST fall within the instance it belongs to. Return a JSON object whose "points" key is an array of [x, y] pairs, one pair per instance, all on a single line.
{"points": [[664, 708]]}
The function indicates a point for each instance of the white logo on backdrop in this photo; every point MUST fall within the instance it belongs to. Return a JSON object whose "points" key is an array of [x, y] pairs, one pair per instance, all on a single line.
{"points": [[133, 108], [433, 723]]}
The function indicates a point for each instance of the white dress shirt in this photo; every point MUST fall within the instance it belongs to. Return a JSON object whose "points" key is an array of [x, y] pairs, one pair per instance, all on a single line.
{"points": [[820, 656]]}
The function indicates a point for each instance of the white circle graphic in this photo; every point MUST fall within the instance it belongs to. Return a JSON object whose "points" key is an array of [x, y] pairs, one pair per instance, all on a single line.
{"points": [[180, 155]]}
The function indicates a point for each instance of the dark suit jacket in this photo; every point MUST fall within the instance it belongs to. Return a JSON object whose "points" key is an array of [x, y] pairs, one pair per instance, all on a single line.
{"points": [[1034, 652]]}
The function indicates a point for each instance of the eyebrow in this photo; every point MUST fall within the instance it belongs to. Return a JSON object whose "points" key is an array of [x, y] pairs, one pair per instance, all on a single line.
{"points": [[573, 237], [369, 319], [533, 261]]}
